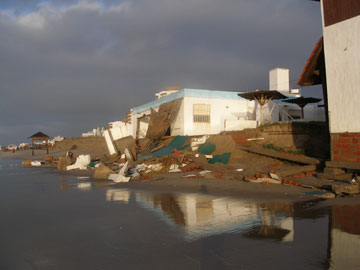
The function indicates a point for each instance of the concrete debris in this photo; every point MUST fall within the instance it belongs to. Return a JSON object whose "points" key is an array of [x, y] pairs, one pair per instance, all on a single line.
{"points": [[326, 195], [287, 171], [128, 155], [265, 180], [342, 188], [36, 163], [274, 176], [196, 142], [26, 163], [118, 178], [63, 163], [204, 172], [81, 163], [154, 167], [174, 168], [190, 176], [150, 158], [102, 172], [333, 171]]}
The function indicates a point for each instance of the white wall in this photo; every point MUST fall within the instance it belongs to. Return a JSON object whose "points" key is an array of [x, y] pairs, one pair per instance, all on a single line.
{"points": [[177, 127], [342, 59], [121, 130], [109, 142], [279, 80], [221, 111], [226, 114]]}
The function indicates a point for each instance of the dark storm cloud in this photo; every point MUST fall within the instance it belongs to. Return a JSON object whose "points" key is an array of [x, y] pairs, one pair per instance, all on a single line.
{"points": [[71, 67]]}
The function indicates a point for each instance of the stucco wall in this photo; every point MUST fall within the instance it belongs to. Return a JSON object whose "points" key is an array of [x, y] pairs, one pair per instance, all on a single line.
{"points": [[177, 127], [221, 110], [342, 59]]}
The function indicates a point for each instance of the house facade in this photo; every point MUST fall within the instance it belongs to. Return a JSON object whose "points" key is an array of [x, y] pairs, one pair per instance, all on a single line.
{"points": [[199, 112], [335, 63]]}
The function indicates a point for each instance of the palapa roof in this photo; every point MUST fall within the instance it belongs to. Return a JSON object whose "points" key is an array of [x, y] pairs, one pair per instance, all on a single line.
{"points": [[260, 94], [39, 135], [302, 101], [311, 73]]}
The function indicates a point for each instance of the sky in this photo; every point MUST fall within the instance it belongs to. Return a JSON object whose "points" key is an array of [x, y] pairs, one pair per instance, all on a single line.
{"points": [[69, 66]]}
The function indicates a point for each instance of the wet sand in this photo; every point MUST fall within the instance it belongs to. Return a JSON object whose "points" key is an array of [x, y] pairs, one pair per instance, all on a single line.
{"points": [[40, 154]]}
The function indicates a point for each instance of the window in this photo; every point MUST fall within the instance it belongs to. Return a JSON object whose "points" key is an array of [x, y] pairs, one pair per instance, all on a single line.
{"points": [[201, 113]]}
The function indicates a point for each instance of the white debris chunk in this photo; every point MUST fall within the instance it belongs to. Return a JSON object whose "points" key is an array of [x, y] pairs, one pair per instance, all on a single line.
{"points": [[35, 163], [81, 163]]}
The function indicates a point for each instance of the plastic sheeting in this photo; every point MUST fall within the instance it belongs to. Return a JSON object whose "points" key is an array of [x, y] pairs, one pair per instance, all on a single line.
{"points": [[176, 143], [206, 148], [224, 158]]}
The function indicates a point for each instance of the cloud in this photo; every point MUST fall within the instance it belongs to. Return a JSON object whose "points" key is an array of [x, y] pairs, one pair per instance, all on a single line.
{"points": [[70, 66]]}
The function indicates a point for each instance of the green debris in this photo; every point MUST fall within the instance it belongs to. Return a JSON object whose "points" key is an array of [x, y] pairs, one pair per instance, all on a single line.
{"points": [[176, 143], [224, 158], [91, 164], [206, 148]]}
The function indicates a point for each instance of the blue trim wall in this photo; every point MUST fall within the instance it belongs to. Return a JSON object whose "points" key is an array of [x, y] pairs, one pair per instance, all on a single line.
{"points": [[197, 93]]}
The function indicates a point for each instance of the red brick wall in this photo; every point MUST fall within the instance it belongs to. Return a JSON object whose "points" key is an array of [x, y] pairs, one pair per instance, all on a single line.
{"points": [[345, 147]]}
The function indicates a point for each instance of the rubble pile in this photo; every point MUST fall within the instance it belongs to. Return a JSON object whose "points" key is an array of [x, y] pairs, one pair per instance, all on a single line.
{"points": [[199, 157]]}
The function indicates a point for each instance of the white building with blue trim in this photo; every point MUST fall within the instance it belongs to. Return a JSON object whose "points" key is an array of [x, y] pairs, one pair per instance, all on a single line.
{"points": [[201, 112]]}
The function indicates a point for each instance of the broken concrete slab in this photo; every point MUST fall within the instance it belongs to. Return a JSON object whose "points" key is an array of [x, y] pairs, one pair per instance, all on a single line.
{"points": [[63, 163], [36, 163], [160, 121], [326, 196], [340, 188], [109, 159], [343, 164], [280, 155], [129, 156], [26, 163], [118, 178], [333, 171], [287, 171], [102, 172], [81, 163], [342, 177], [313, 182]]}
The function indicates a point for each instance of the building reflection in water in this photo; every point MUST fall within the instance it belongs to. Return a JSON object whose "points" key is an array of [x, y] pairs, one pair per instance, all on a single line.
{"points": [[345, 237], [199, 215]]}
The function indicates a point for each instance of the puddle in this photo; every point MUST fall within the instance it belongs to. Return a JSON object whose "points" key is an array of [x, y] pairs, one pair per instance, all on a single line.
{"points": [[199, 215], [62, 222]]}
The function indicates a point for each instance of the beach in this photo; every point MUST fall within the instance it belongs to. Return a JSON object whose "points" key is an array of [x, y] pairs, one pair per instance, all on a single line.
{"points": [[175, 182]]}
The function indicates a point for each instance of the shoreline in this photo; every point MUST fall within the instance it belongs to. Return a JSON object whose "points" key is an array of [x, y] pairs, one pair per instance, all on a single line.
{"points": [[174, 182], [40, 154]]}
